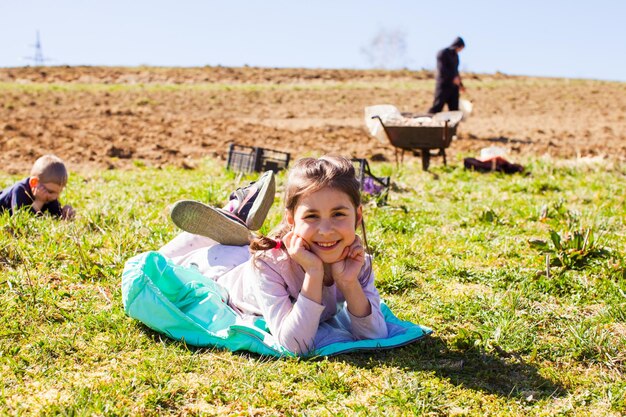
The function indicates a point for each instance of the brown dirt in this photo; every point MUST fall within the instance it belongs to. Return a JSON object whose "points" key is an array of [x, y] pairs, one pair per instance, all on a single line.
{"points": [[101, 117]]}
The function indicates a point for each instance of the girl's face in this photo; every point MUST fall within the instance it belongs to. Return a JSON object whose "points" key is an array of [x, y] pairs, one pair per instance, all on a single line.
{"points": [[326, 220]]}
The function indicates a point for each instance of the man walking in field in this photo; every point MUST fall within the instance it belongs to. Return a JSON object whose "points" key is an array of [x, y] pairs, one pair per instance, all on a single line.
{"points": [[448, 79]]}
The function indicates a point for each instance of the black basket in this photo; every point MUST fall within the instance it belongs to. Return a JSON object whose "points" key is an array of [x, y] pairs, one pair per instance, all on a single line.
{"points": [[254, 159], [375, 187]]}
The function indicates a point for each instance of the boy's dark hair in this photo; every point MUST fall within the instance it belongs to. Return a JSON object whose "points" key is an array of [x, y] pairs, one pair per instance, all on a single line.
{"points": [[309, 175], [50, 168]]}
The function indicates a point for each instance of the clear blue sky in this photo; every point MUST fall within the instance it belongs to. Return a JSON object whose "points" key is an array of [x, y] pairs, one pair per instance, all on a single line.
{"points": [[541, 38]]}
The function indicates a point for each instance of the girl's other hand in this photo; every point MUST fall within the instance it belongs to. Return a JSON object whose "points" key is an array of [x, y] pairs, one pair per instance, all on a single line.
{"points": [[346, 270], [300, 251]]}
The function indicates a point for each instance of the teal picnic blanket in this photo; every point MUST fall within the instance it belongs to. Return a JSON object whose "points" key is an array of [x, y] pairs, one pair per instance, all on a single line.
{"points": [[185, 305]]}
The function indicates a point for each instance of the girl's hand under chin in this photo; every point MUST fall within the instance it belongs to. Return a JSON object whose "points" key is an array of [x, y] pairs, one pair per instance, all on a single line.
{"points": [[346, 270], [300, 251]]}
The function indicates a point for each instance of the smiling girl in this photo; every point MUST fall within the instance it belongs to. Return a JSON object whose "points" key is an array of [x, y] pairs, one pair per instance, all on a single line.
{"points": [[314, 262], [311, 279]]}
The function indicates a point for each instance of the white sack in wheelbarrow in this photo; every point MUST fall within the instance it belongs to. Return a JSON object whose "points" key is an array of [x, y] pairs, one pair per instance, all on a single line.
{"points": [[386, 112]]}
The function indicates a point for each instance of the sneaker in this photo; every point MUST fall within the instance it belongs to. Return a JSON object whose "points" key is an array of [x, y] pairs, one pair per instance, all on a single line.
{"points": [[254, 201], [220, 225]]}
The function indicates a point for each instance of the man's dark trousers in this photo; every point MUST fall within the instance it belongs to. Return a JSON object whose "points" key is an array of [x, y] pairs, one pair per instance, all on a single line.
{"points": [[445, 94]]}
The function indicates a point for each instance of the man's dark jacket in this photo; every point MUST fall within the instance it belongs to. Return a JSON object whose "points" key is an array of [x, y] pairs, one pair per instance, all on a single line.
{"points": [[447, 66]]}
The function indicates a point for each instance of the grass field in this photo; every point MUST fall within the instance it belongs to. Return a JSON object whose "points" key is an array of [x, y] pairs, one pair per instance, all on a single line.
{"points": [[522, 278]]}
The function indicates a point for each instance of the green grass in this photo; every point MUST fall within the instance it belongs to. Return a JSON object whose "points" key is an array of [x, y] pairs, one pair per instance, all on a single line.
{"points": [[514, 333]]}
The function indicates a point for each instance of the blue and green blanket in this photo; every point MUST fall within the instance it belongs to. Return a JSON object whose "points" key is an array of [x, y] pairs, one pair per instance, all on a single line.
{"points": [[185, 305]]}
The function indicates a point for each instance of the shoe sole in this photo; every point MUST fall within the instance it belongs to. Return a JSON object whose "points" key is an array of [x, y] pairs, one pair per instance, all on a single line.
{"points": [[200, 219], [262, 203]]}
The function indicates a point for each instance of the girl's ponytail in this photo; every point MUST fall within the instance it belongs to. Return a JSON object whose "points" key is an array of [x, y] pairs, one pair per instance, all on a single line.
{"points": [[263, 243]]}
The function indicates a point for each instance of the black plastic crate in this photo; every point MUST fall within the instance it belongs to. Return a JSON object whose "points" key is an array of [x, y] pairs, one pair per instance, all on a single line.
{"points": [[254, 159], [371, 185]]}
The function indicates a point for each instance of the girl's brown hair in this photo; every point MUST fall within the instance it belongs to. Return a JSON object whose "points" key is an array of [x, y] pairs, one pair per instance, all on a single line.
{"points": [[309, 175]]}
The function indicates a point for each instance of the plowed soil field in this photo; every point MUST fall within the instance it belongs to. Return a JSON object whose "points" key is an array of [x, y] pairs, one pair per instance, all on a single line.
{"points": [[104, 117]]}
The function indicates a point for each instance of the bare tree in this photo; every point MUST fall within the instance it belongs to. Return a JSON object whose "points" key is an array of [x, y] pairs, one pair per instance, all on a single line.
{"points": [[387, 49]]}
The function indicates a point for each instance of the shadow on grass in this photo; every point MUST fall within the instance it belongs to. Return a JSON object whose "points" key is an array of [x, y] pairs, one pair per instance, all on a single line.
{"points": [[500, 373]]}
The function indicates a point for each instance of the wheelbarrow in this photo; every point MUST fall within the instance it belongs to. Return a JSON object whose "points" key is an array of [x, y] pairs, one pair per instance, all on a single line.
{"points": [[436, 135]]}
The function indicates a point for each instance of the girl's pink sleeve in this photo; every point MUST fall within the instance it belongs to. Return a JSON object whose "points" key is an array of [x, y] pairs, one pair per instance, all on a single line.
{"points": [[372, 326], [294, 323]]}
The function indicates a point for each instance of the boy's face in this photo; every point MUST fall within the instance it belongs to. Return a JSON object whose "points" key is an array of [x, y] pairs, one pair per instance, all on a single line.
{"points": [[46, 192]]}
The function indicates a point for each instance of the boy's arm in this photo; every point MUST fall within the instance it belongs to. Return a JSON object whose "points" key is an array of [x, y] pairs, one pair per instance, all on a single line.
{"points": [[20, 198], [54, 208]]}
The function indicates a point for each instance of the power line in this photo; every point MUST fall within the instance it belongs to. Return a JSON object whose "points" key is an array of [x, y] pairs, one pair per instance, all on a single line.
{"points": [[39, 58]]}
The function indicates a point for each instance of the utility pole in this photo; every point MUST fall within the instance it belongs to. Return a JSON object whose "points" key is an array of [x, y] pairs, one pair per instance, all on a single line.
{"points": [[38, 59]]}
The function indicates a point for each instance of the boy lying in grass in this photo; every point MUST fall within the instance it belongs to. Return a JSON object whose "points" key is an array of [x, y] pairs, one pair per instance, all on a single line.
{"points": [[39, 193]]}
